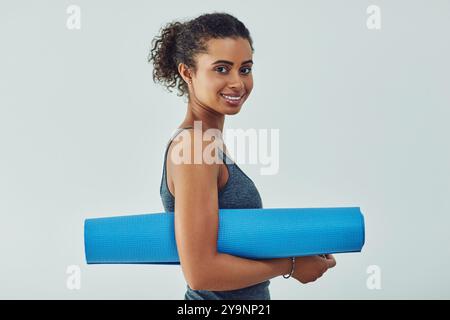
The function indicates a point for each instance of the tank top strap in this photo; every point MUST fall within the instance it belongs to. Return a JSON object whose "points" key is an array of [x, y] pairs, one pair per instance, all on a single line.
{"points": [[174, 134], [226, 159]]}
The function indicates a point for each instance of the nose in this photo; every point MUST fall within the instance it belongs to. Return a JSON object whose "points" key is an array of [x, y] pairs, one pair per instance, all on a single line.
{"points": [[236, 82]]}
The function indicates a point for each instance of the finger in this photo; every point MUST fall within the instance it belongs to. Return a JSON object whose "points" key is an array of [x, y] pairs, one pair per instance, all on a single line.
{"points": [[331, 262]]}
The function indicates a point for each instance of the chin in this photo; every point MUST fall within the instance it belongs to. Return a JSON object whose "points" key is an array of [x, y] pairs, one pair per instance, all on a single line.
{"points": [[232, 111]]}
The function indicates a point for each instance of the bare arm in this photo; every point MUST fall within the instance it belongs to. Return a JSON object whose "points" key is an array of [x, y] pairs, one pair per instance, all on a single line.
{"points": [[196, 229], [228, 272]]}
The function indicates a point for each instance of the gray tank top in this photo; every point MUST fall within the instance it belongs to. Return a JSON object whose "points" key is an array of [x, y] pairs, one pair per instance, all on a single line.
{"points": [[239, 192]]}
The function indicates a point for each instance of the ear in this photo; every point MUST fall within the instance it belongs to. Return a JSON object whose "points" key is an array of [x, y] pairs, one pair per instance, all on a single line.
{"points": [[185, 72]]}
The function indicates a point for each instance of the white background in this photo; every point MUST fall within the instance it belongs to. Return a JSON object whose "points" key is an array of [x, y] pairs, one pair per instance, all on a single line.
{"points": [[363, 118]]}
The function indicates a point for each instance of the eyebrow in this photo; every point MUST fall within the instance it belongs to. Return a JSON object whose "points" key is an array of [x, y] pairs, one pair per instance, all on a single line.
{"points": [[231, 63]]}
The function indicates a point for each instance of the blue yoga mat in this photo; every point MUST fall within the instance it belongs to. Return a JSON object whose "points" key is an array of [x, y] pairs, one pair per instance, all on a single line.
{"points": [[248, 233]]}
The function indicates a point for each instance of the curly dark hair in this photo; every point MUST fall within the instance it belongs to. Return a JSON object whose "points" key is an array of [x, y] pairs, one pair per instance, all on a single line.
{"points": [[180, 42]]}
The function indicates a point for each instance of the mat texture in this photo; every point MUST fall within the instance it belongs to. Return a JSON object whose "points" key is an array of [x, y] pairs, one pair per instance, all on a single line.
{"points": [[248, 233]]}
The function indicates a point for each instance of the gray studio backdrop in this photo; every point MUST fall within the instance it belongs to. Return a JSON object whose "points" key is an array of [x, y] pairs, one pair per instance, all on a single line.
{"points": [[363, 117]]}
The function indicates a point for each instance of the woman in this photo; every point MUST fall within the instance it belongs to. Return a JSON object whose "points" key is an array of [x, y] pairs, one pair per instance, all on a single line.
{"points": [[209, 59]]}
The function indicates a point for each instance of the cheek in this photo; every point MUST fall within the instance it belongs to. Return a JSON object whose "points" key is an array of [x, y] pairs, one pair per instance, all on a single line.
{"points": [[214, 87], [248, 85]]}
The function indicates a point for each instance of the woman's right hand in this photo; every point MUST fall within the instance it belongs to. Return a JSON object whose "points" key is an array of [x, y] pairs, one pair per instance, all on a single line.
{"points": [[310, 268]]}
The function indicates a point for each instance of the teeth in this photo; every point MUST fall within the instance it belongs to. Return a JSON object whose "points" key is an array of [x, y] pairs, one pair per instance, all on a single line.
{"points": [[231, 98]]}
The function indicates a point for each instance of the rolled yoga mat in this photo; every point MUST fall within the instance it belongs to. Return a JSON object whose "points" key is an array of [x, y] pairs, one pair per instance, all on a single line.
{"points": [[248, 233]]}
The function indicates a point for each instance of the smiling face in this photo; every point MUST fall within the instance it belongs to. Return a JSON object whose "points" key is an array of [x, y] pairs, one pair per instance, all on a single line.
{"points": [[223, 79]]}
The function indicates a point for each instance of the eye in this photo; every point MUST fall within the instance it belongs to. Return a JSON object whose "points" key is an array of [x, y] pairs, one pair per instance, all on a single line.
{"points": [[249, 69], [221, 67]]}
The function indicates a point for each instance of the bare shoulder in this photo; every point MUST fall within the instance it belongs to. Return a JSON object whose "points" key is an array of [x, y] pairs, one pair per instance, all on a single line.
{"points": [[191, 158]]}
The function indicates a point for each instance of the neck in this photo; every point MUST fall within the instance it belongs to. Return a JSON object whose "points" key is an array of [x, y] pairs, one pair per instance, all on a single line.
{"points": [[209, 118]]}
